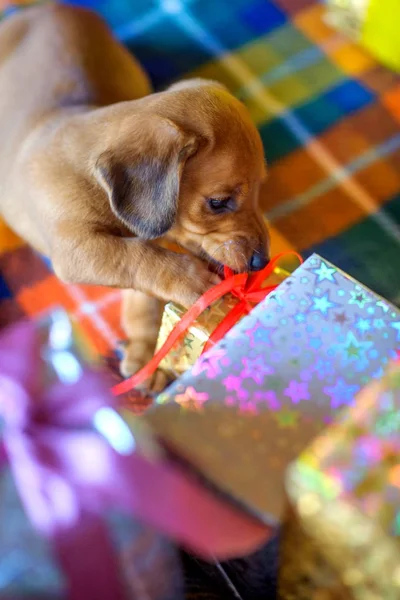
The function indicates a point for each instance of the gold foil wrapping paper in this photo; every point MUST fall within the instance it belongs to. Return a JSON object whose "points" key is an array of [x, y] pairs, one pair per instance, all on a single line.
{"points": [[374, 24], [341, 537], [189, 348]]}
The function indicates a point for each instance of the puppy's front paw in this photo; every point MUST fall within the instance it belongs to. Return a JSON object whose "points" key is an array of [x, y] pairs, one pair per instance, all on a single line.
{"points": [[135, 357], [193, 280]]}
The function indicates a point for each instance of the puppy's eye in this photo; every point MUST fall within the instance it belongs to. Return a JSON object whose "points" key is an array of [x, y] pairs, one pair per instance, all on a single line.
{"points": [[219, 205]]}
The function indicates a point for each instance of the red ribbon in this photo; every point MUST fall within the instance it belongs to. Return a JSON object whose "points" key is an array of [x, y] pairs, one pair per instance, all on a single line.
{"points": [[246, 287]]}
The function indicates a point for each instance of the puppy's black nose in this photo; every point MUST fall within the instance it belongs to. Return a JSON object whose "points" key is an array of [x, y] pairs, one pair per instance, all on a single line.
{"points": [[258, 260]]}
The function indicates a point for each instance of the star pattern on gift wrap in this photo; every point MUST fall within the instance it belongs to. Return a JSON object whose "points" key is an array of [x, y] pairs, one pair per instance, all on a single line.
{"points": [[325, 273], [275, 383], [253, 326], [381, 304], [359, 297], [340, 318], [276, 357], [356, 351], [261, 335], [218, 311], [286, 418], [188, 341], [210, 363], [268, 398], [363, 325], [191, 399], [242, 394], [341, 393], [323, 368], [253, 353], [396, 326], [306, 375], [232, 383], [322, 304], [297, 391], [315, 342], [265, 317], [234, 333], [379, 324], [256, 369], [373, 354], [276, 296], [352, 350], [299, 318]]}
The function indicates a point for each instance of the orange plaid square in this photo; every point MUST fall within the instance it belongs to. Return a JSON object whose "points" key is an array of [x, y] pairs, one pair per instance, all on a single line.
{"points": [[44, 295]]}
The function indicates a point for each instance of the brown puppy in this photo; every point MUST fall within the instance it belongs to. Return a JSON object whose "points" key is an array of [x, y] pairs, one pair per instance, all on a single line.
{"points": [[94, 168]]}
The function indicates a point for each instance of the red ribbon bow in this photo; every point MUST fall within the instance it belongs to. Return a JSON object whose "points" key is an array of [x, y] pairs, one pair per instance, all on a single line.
{"points": [[247, 288]]}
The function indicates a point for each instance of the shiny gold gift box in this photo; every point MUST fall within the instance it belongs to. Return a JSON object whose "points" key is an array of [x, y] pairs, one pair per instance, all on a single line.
{"points": [[374, 24], [342, 532], [189, 348]]}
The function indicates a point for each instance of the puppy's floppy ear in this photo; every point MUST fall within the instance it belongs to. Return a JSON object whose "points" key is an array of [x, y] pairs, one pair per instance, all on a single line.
{"points": [[141, 174]]}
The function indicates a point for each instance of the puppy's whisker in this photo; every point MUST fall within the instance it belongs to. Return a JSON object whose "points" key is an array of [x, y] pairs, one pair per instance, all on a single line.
{"points": [[211, 256], [217, 249]]}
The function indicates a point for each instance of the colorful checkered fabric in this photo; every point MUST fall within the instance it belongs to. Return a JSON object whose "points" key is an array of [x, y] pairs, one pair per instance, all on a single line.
{"points": [[328, 114]]}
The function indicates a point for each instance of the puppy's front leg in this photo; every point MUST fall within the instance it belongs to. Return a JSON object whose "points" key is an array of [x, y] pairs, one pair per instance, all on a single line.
{"points": [[141, 318], [144, 271], [129, 263]]}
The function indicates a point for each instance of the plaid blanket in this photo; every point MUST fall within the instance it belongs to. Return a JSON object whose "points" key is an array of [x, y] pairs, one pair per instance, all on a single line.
{"points": [[329, 117]]}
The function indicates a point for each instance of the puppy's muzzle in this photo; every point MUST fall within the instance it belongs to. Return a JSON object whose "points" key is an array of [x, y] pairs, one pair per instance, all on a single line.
{"points": [[258, 260]]}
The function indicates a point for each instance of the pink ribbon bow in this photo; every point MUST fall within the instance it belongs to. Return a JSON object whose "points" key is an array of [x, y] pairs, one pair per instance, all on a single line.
{"points": [[73, 458]]}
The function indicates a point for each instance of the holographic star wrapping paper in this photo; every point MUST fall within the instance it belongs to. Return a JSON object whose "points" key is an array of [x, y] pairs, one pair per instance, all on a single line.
{"points": [[254, 402], [344, 496]]}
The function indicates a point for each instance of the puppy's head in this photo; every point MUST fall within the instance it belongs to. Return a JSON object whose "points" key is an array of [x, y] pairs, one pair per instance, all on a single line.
{"points": [[191, 168]]}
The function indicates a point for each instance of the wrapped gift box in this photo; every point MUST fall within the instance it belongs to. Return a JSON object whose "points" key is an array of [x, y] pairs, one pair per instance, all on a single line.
{"points": [[50, 361], [28, 568], [88, 498], [344, 497], [251, 404], [372, 23], [189, 348]]}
